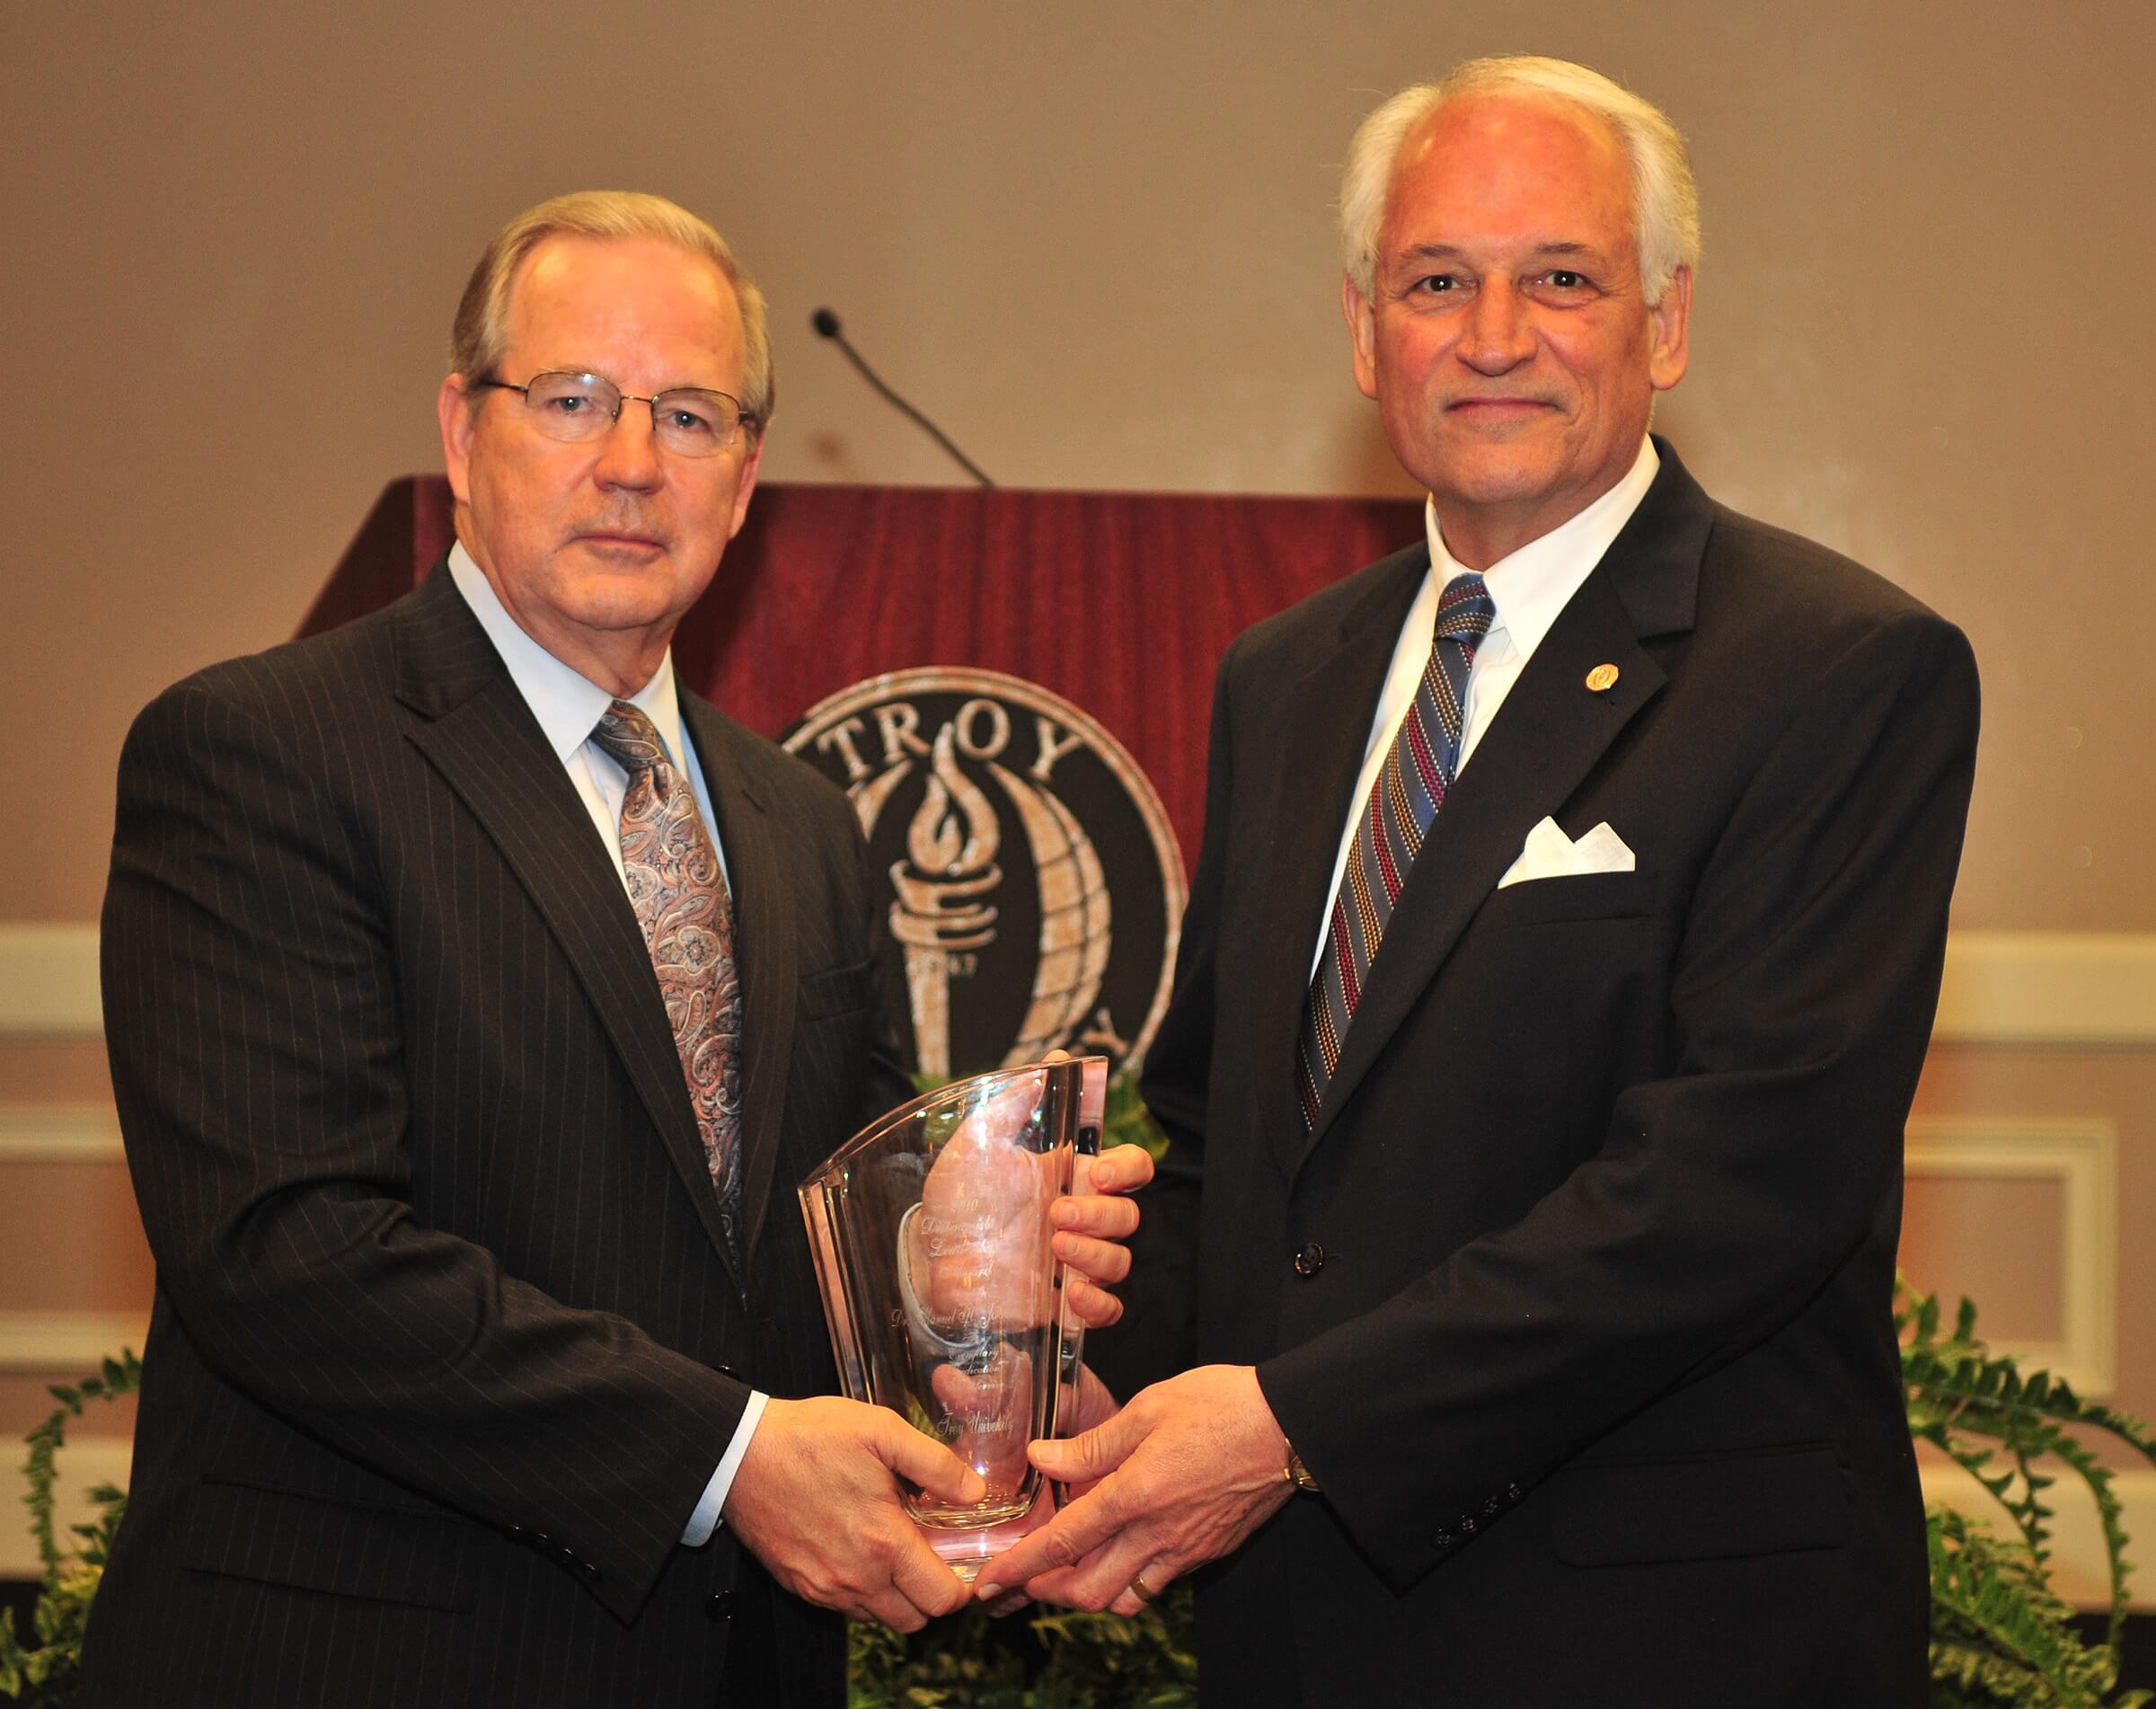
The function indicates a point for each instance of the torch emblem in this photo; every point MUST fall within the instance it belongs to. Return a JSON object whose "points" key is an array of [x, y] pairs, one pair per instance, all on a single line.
{"points": [[1036, 888]]}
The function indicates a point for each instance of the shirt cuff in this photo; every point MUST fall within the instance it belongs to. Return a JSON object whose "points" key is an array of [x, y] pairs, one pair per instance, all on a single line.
{"points": [[705, 1519]]}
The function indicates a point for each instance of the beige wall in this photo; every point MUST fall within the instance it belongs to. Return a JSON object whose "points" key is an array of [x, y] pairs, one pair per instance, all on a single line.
{"points": [[1096, 245]]}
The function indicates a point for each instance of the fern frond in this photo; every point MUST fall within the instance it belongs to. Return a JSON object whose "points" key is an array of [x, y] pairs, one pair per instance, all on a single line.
{"points": [[1999, 1631], [47, 1673], [1963, 1398]]}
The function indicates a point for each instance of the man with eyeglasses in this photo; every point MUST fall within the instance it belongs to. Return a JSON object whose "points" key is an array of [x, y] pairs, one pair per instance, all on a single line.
{"points": [[475, 996]]}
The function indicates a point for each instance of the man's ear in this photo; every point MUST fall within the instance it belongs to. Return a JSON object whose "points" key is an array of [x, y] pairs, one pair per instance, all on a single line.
{"points": [[1671, 323], [454, 406], [1362, 329]]}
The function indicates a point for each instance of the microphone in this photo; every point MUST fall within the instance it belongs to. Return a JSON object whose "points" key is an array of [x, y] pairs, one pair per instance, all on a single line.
{"points": [[826, 325]]}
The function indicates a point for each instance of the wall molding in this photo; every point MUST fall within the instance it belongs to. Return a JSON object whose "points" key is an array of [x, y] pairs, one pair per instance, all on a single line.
{"points": [[2082, 1155], [2001, 987], [60, 1133], [2048, 987], [65, 1345], [2078, 1573], [48, 980]]}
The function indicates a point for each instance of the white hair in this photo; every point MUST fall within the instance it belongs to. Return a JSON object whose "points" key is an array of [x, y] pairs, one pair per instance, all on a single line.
{"points": [[1665, 201]]}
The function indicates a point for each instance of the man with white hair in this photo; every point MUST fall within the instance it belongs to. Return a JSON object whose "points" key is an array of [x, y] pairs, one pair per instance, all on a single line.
{"points": [[1557, 968]]}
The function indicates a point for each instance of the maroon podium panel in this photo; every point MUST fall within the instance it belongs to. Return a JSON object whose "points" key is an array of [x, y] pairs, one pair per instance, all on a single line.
{"points": [[1120, 603]]}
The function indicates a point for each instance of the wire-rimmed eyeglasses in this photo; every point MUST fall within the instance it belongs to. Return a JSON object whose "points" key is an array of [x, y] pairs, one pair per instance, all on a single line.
{"points": [[689, 421]]}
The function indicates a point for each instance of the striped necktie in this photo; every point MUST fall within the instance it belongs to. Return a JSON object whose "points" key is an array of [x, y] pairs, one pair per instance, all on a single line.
{"points": [[679, 894], [1404, 805]]}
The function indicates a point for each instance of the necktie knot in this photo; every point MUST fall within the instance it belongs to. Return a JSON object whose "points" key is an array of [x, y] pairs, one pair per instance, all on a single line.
{"points": [[1466, 611], [630, 738]]}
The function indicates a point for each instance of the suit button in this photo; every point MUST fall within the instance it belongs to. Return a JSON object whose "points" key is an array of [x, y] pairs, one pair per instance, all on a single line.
{"points": [[1310, 1259], [719, 1609]]}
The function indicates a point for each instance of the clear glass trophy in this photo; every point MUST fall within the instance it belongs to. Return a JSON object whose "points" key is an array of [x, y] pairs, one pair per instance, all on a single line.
{"points": [[929, 1231]]}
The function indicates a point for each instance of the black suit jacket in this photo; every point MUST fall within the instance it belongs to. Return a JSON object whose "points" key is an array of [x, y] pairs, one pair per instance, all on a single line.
{"points": [[446, 1345], [1577, 1301]]}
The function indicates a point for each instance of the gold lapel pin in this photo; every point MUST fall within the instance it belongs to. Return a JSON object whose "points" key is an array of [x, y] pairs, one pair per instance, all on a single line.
{"points": [[1603, 678]]}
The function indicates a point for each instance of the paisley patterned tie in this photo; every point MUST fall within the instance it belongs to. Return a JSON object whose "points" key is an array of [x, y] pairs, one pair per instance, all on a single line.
{"points": [[1404, 805], [679, 894]]}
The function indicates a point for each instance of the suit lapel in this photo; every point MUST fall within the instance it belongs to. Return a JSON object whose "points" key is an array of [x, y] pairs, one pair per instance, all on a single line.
{"points": [[479, 734], [1327, 727], [763, 894], [1547, 737]]}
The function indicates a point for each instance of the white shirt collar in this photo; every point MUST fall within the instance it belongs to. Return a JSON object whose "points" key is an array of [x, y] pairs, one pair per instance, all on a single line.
{"points": [[1531, 585], [565, 703]]}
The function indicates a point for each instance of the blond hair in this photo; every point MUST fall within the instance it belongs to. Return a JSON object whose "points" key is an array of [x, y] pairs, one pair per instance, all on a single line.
{"points": [[1665, 200], [480, 333]]}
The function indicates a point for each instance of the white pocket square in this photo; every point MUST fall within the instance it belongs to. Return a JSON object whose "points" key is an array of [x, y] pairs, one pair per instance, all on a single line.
{"points": [[1548, 853]]}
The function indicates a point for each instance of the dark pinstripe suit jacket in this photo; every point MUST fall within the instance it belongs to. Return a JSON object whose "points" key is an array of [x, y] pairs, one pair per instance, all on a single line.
{"points": [[445, 1343]]}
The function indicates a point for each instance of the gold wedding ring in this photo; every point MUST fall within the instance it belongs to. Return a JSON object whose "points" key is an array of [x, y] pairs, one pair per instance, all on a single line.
{"points": [[1140, 1589]]}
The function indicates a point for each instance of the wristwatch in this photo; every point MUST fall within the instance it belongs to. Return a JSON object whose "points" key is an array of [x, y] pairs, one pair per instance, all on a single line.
{"points": [[1298, 1474]]}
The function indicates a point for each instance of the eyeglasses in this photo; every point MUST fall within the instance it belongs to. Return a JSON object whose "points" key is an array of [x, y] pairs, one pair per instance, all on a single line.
{"points": [[574, 408]]}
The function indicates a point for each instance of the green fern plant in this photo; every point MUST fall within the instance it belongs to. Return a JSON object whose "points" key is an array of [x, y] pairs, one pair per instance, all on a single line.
{"points": [[1059, 1659], [45, 1674], [2000, 1634]]}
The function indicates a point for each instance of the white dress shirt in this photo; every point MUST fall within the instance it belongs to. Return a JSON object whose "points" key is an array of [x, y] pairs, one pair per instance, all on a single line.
{"points": [[568, 705], [1528, 588]]}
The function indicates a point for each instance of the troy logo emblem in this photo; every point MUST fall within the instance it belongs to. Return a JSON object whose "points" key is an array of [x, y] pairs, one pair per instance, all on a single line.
{"points": [[1035, 884]]}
